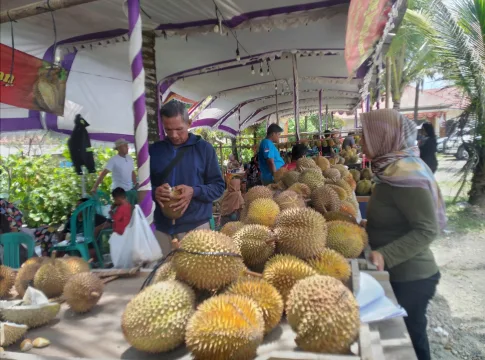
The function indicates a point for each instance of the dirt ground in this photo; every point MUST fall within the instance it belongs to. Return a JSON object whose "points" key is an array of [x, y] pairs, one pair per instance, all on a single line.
{"points": [[457, 313]]}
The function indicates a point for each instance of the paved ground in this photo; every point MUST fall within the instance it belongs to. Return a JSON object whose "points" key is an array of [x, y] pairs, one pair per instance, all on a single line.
{"points": [[457, 314]]}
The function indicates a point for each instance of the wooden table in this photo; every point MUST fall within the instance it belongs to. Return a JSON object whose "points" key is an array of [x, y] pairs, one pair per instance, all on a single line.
{"points": [[97, 335]]}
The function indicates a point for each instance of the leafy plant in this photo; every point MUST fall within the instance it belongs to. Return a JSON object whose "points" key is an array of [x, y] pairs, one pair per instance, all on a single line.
{"points": [[43, 190]]}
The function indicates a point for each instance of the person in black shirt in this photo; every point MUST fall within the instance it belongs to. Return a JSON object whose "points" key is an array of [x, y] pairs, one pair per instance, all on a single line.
{"points": [[428, 145], [327, 150]]}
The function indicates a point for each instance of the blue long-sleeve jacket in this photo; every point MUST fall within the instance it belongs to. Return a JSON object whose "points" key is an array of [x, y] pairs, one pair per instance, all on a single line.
{"points": [[199, 169]]}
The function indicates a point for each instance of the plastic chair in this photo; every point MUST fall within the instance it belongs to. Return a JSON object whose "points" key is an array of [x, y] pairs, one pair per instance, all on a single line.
{"points": [[101, 199], [212, 223], [88, 211], [11, 247]]}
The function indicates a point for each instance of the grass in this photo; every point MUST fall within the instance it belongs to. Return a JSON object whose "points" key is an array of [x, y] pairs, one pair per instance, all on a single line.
{"points": [[462, 218]]}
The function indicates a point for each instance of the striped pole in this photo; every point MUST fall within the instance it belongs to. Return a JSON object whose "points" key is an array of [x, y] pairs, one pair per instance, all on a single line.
{"points": [[139, 109]]}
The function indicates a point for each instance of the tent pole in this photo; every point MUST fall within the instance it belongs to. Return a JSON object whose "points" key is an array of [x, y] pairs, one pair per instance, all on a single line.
{"points": [[296, 97], [38, 8], [139, 109], [151, 86], [356, 119], [277, 112], [320, 113], [326, 117]]}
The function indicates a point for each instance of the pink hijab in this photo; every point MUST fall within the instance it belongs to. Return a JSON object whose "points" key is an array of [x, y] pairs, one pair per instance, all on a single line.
{"points": [[390, 140]]}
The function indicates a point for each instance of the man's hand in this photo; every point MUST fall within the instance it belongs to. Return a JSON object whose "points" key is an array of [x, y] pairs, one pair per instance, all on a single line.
{"points": [[186, 193], [162, 194], [377, 259]]}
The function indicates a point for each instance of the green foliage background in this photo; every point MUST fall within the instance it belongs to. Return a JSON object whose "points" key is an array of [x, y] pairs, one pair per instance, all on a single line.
{"points": [[43, 190]]}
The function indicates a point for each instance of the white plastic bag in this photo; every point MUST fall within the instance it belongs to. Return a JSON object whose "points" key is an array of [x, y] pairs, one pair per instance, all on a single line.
{"points": [[138, 244]]}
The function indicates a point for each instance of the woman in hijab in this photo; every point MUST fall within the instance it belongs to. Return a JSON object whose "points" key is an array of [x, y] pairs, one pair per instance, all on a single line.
{"points": [[232, 202], [405, 214], [428, 145], [233, 164]]}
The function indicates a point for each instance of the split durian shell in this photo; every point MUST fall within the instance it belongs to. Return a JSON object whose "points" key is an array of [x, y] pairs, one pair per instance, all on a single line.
{"points": [[154, 320], [10, 333], [225, 327], [324, 314], [83, 291], [35, 310]]}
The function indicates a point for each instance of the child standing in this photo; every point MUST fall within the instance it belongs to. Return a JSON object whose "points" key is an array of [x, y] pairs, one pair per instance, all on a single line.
{"points": [[122, 216]]}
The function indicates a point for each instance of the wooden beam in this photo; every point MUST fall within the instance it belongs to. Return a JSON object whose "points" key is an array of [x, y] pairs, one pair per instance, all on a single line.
{"points": [[38, 8]]}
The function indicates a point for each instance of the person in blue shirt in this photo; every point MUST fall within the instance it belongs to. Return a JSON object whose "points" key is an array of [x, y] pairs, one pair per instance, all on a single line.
{"points": [[196, 174], [269, 157]]}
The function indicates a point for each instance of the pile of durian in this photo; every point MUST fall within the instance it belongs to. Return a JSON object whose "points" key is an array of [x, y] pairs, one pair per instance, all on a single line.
{"points": [[350, 155], [221, 292], [365, 184], [37, 280]]}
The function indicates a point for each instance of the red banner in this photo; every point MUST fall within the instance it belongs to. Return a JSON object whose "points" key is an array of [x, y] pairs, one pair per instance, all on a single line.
{"points": [[31, 83], [365, 24]]}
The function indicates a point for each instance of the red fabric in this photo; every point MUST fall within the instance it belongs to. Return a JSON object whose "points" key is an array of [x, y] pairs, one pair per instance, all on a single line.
{"points": [[291, 166], [121, 218]]}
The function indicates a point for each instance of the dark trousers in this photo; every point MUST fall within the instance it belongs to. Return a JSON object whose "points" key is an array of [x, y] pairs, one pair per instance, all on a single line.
{"points": [[414, 297]]}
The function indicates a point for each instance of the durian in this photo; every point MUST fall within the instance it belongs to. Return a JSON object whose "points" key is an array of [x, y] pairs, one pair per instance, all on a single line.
{"points": [[290, 178], [339, 216], [305, 163], [225, 327], [167, 210], [342, 194], [256, 243], [10, 333], [232, 227], [257, 192], [300, 232], [263, 212], [83, 291], [34, 310], [345, 238], [51, 277], [35, 260], [324, 199], [333, 264], [25, 277], [7, 280], [278, 175], [344, 185], [289, 199], [301, 189], [312, 178], [283, 271], [266, 296], [76, 265], [324, 314], [363, 187], [342, 169], [355, 174], [207, 260], [154, 321], [349, 208], [322, 162], [349, 179], [332, 174], [165, 272], [366, 174]]}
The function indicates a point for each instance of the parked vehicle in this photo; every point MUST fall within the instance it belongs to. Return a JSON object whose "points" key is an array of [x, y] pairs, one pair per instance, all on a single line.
{"points": [[459, 143], [440, 144]]}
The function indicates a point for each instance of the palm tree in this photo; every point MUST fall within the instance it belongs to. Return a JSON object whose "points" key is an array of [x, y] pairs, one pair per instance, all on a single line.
{"points": [[458, 35], [149, 63]]}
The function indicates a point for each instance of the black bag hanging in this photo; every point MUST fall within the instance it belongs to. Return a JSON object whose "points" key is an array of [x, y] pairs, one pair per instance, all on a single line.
{"points": [[79, 146]]}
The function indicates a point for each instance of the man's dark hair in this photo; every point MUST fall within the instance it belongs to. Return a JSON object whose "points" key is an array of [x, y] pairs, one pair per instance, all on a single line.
{"points": [[273, 129], [175, 108], [327, 133], [298, 151], [429, 129], [83, 200], [118, 193]]}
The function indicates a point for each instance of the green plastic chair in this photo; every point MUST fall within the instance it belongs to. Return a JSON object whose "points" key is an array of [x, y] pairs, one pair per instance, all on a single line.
{"points": [[11, 248], [88, 211], [101, 199]]}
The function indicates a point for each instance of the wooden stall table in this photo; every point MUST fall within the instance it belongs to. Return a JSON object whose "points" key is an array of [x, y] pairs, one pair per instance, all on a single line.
{"points": [[97, 335]]}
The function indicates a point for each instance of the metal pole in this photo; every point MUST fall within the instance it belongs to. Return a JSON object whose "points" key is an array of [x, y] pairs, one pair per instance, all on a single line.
{"points": [[320, 112], [326, 117], [277, 112], [356, 119], [38, 8], [296, 97]]}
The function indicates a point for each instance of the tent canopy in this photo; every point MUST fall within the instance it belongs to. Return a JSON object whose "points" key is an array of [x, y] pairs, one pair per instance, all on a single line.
{"points": [[195, 58]]}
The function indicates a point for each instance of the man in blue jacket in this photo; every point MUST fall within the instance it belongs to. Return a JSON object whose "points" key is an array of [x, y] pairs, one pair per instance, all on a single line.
{"points": [[269, 156], [185, 162]]}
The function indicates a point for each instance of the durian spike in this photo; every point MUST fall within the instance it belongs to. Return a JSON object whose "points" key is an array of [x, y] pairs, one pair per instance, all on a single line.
{"points": [[270, 241], [252, 273]]}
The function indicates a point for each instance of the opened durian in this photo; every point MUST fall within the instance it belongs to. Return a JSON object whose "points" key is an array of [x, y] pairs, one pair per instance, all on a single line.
{"points": [[10, 333]]}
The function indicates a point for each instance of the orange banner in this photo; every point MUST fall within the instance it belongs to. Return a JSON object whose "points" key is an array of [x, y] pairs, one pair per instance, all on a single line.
{"points": [[365, 24]]}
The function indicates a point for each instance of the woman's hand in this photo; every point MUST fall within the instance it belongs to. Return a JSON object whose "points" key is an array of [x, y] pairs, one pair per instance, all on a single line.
{"points": [[377, 259]]}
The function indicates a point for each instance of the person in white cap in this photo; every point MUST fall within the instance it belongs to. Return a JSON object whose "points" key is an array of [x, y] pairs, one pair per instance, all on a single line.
{"points": [[122, 167]]}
